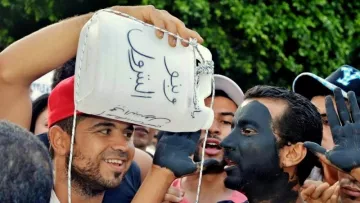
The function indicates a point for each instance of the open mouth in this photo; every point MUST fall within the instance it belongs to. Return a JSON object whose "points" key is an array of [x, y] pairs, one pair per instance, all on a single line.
{"points": [[212, 147], [116, 164]]}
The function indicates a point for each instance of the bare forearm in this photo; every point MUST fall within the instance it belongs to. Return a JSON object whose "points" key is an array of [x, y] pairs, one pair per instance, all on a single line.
{"points": [[155, 185], [42, 51]]}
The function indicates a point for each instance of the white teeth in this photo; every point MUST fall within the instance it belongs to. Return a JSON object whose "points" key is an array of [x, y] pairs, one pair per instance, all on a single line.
{"points": [[114, 161], [212, 144]]}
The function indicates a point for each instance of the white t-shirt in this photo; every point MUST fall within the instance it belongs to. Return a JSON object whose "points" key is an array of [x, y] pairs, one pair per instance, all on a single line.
{"points": [[53, 198]]}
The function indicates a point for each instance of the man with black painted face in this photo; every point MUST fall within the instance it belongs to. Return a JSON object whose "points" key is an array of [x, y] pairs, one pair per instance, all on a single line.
{"points": [[266, 144]]}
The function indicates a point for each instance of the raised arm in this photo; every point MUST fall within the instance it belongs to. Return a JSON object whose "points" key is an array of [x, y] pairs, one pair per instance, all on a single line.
{"points": [[345, 128], [40, 52], [31, 57]]}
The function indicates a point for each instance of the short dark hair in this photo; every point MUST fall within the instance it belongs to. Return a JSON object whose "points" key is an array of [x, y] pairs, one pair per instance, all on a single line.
{"points": [[299, 123], [26, 171], [38, 106], [221, 93], [65, 71], [66, 125]]}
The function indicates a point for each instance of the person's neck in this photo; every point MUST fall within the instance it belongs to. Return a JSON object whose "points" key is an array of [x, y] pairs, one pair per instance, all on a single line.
{"points": [[143, 148], [209, 181], [61, 190], [277, 189]]}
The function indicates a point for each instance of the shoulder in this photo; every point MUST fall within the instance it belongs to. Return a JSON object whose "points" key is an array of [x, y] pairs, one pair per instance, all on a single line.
{"points": [[238, 197]]}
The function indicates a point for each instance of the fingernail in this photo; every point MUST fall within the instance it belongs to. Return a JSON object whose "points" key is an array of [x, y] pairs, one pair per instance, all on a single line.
{"points": [[160, 34], [173, 41]]}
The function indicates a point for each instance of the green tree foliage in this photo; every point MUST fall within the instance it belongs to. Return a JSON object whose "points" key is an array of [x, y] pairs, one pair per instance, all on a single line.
{"points": [[252, 41]]}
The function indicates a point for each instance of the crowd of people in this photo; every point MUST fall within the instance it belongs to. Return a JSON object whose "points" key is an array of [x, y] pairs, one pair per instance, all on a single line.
{"points": [[269, 144]]}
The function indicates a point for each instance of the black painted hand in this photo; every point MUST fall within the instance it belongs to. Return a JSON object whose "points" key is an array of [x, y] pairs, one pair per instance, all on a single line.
{"points": [[173, 152], [346, 133]]}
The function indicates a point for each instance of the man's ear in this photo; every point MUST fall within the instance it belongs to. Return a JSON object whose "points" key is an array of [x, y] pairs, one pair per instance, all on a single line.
{"points": [[292, 155], [59, 140]]}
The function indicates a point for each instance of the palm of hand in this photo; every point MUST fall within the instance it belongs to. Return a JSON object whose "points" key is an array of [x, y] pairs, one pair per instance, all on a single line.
{"points": [[173, 151], [345, 154], [345, 130]]}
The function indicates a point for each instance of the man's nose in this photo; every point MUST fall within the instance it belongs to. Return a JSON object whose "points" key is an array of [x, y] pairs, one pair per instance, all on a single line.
{"points": [[121, 143], [228, 143], [215, 128]]}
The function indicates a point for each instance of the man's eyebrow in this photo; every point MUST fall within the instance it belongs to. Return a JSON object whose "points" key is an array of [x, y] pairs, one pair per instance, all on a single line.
{"points": [[227, 114], [247, 122], [102, 124]]}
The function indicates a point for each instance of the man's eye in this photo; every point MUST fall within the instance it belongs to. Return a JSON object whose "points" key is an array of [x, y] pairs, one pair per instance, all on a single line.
{"points": [[128, 133], [105, 131], [227, 122], [248, 131]]}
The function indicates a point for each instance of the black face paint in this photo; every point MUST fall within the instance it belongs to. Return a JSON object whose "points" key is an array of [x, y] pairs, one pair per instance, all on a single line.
{"points": [[252, 146]]}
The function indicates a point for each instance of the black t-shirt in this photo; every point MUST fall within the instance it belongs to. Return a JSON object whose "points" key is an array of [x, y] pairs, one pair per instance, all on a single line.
{"points": [[126, 191]]}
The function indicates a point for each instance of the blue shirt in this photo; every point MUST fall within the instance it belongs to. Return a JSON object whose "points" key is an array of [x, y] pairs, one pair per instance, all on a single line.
{"points": [[126, 191]]}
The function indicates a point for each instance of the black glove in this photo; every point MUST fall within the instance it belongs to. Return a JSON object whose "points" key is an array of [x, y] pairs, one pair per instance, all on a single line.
{"points": [[173, 152], [346, 133]]}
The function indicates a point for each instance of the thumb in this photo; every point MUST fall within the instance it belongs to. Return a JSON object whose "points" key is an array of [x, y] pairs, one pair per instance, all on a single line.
{"points": [[315, 148], [187, 168], [319, 151]]}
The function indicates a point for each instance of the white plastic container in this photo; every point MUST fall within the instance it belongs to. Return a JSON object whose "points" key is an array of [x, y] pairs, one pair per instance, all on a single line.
{"points": [[124, 72]]}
